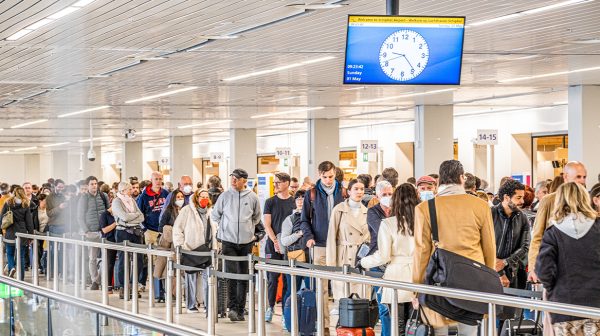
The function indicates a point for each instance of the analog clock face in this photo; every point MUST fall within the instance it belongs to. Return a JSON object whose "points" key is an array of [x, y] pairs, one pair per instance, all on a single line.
{"points": [[403, 55]]}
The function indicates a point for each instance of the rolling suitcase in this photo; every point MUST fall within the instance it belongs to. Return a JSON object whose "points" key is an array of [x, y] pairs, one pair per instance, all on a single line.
{"points": [[355, 331], [521, 326]]}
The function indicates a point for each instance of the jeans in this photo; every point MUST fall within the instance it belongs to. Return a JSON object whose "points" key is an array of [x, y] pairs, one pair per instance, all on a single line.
{"points": [[11, 251], [193, 290], [121, 236], [384, 314], [237, 289]]}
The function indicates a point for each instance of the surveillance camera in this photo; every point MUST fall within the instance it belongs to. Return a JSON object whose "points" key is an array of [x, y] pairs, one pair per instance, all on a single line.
{"points": [[91, 155], [129, 134]]}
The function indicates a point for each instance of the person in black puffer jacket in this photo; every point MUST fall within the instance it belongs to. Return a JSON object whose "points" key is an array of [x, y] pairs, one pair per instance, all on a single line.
{"points": [[22, 223]]}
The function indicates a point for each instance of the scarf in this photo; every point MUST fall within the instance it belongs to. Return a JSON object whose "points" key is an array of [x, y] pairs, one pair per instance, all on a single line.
{"points": [[329, 191], [354, 207], [202, 213], [451, 189], [127, 201]]}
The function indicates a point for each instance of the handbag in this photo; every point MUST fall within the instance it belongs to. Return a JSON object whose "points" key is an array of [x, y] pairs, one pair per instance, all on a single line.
{"points": [[7, 219], [415, 327], [448, 269], [199, 261]]}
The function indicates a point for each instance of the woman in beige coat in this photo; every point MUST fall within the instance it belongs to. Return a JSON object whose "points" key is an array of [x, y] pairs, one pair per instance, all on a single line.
{"points": [[396, 244], [348, 229]]}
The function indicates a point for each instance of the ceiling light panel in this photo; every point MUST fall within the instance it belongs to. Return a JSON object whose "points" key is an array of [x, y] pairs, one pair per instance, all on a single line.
{"points": [[204, 124], [56, 144], [408, 95], [29, 123], [164, 94], [83, 111], [287, 112], [279, 68]]}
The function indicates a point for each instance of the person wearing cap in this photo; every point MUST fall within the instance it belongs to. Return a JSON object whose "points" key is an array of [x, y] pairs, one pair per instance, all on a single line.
{"points": [[237, 216], [427, 187]]}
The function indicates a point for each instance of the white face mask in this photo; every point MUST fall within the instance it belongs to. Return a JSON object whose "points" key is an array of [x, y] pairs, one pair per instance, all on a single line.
{"points": [[187, 189], [386, 201], [426, 195], [179, 203]]}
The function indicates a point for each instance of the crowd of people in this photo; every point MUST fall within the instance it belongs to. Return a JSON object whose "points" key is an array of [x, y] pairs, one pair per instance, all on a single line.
{"points": [[545, 234]]}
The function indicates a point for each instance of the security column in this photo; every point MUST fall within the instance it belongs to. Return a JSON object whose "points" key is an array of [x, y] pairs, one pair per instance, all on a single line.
{"points": [[242, 151], [181, 157], [323, 144], [584, 131], [434, 138], [132, 163]]}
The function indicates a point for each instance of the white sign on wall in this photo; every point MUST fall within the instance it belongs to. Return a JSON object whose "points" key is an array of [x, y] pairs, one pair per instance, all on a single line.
{"points": [[369, 146], [283, 152], [487, 137], [217, 157]]}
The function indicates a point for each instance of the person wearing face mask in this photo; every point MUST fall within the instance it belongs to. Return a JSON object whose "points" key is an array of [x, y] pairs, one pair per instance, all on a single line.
{"points": [[348, 229], [511, 228], [186, 187], [192, 229], [427, 187], [171, 211], [22, 223], [375, 215], [128, 217]]}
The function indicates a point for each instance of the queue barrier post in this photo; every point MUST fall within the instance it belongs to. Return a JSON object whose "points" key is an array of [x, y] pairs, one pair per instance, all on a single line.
{"points": [[36, 264], [150, 275], [251, 291], [178, 282], [18, 256], [126, 271], [294, 301], [169, 291]]}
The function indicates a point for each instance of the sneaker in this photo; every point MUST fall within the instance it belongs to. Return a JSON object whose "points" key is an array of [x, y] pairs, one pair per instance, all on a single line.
{"points": [[193, 310], [110, 290], [233, 316], [269, 315], [12, 273], [241, 317], [94, 286], [141, 288], [121, 293]]}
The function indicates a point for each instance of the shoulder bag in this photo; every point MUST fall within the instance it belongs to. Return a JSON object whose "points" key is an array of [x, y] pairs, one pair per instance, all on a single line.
{"points": [[7, 219], [448, 269], [416, 327]]}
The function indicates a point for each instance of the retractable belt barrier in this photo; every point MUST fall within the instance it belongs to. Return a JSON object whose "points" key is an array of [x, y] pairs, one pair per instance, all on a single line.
{"points": [[345, 274]]}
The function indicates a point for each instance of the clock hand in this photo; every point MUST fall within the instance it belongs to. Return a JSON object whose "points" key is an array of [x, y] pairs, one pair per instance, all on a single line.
{"points": [[398, 54], [408, 62], [391, 59]]}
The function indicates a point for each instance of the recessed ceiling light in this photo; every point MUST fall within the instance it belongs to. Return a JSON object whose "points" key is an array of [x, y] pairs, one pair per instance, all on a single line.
{"points": [[585, 41], [280, 68], [83, 111], [151, 131], [287, 112], [316, 6], [529, 12], [376, 100], [63, 12], [205, 123], [218, 37], [18, 34], [518, 79], [94, 139], [24, 149], [168, 93], [29, 123], [56, 144]]}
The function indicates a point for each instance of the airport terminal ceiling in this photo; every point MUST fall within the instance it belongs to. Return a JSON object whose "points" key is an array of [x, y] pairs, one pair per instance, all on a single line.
{"points": [[161, 66]]}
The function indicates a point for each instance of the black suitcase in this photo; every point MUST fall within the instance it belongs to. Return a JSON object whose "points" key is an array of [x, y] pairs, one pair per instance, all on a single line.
{"points": [[354, 312], [520, 326]]}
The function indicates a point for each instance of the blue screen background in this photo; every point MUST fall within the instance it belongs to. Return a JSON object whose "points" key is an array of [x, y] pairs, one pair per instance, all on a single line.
{"points": [[443, 67]]}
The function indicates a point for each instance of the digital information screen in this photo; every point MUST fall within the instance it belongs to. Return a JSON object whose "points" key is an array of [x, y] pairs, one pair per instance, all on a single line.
{"points": [[404, 50]]}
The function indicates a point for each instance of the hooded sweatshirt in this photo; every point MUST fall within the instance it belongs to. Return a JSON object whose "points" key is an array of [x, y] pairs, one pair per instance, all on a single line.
{"points": [[236, 215], [151, 204], [569, 263]]}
